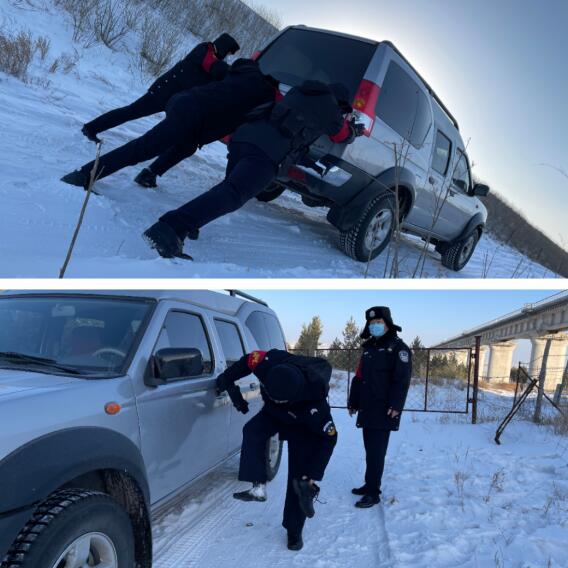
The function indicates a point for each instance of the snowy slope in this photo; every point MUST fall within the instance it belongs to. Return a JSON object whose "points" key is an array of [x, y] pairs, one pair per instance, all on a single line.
{"points": [[452, 498], [41, 141]]}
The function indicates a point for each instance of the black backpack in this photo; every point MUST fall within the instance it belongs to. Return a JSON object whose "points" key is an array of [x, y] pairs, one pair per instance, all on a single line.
{"points": [[318, 373]]}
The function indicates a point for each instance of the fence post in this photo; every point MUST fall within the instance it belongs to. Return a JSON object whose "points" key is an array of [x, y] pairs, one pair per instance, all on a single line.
{"points": [[475, 380]]}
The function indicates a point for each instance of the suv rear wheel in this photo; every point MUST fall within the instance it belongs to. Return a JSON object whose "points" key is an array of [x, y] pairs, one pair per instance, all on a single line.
{"points": [[373, 230], [75, 528], [456, 256], [273, 457]]}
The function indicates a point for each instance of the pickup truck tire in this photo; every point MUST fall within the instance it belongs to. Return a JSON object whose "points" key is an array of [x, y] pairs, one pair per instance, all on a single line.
{"points": [[272, 192], [372, 232], [457, 255], [273, 457], [75, 527]]}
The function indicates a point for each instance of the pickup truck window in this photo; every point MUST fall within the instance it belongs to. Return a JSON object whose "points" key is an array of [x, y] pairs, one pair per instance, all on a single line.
{"points": [[182, 329], [231, 341], [89, 334], [266, 331], [442, 152], [461, 178]]}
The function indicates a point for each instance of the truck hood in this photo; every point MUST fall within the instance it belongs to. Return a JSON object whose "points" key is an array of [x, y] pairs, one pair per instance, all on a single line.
{"points": [[14, 382]]}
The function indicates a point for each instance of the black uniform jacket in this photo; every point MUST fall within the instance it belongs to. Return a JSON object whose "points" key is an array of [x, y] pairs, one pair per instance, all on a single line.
{"points": [[224, 105], [286, 129], [199, 67], [381, 382]]}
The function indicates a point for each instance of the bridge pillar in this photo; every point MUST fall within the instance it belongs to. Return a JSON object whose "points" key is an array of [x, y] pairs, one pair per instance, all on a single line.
{"points": [[501, 361], [483, 351], [556, 358]]}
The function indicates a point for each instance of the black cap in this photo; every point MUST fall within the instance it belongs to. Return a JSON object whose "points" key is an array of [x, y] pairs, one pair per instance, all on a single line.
{"points": [[341, 93], [226, 44], [378, 312], [284, 383]]}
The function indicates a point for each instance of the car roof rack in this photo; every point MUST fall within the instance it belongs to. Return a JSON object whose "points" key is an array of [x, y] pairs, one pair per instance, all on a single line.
{"points": [[430, 89], [238, 293]]}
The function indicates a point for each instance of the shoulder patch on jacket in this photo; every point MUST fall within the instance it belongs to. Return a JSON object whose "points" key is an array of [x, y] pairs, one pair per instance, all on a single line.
{"points": [[404, 356], [255, 358], [329, 429]]}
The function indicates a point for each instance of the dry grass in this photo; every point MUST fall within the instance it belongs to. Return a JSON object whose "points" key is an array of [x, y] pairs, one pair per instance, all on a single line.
{"points": [[158, 46], [16, 53]]}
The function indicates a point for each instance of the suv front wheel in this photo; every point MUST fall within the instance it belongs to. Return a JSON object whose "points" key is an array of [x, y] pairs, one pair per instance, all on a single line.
{"points": [[457, 255], [273, 456], [75, 527], [372, 232]]}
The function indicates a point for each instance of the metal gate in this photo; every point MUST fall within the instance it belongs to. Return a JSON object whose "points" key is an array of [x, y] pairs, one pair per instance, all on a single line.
{"points": [[443, 379]]}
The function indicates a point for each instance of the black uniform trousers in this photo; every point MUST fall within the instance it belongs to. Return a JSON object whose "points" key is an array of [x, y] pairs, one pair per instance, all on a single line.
{"points": [[376, 444], [146, 105], [249, 172], [301, 445], [182, 123]]}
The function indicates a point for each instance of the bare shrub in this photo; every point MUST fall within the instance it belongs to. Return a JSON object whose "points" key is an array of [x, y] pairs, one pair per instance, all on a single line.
{"points": [[82, 13], [158, 46], [66, 62], [112, 21], [42, 46], [270, 15], [16, 53]]}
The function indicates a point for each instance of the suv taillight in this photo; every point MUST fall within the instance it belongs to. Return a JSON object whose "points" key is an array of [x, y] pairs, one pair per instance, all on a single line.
{"points": [[365, 103], [255, 55]]}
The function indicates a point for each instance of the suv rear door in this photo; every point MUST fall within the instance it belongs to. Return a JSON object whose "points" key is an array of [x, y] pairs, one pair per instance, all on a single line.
{"points": [[183, 424], [232, 348]]}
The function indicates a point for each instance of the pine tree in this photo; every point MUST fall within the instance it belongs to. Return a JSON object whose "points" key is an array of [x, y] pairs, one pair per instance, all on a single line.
{"points": [[310, 336], [419, 357], [351, 343]]}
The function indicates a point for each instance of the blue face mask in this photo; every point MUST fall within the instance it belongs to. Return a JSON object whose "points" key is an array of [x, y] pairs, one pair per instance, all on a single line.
{"points": [[377, 329]]}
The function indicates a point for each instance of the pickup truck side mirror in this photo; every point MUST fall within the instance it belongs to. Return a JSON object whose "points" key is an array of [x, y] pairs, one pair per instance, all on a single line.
{"points": [[480, 190], [175, 363]]}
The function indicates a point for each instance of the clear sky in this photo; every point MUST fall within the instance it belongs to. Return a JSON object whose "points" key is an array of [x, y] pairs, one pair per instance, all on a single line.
{"points": [[433, 315], [499, 65]]}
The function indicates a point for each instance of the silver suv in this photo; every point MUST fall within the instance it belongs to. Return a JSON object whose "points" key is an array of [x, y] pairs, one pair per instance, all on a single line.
{"points": [[412, 148], [109, 411]]}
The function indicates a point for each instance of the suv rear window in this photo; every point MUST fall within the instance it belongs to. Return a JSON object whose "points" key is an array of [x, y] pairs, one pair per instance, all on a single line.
{"points": [[442, 150], [298, 55], [403, 106], [231, 341]]}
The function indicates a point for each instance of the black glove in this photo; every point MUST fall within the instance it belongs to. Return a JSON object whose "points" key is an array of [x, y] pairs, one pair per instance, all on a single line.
{"points": [[242, 406], [222, 383]]}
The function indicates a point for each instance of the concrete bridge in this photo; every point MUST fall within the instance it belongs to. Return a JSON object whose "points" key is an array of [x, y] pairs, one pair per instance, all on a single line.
{"points": [[544, 322]]}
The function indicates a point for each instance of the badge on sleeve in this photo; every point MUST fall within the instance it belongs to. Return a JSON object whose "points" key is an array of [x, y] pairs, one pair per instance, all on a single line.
{"points": [[255, 358], [404, 357], [329, 429]]}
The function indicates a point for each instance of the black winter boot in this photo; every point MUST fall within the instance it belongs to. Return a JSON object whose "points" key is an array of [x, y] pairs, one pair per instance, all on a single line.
{"points": [[359, 490], [295, 541], [146, 178], [162, 238], [78, 178], [307, 494], [90, 133], [368, 501], [256, 493]]}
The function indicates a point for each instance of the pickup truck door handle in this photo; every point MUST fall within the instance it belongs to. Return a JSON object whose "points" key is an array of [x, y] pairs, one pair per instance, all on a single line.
{"points": [[431, 180]]}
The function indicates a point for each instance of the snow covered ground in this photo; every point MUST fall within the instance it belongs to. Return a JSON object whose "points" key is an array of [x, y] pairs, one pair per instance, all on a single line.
{"points": [[452, 498], [41, 141]]}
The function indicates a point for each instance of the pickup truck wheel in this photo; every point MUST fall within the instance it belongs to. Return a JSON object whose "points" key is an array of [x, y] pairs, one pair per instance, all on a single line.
{"points": [[456, 256], [272, 192], [373, 230], [273, 457], [75, 528]]}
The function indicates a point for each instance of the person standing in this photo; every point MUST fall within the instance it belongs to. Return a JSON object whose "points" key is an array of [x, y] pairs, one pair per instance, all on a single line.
{"points": [[378, 394], [294, 389]]}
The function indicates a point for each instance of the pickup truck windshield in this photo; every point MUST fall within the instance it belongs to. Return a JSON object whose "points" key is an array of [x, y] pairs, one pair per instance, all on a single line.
{"points": [[298, 55], [89, 335]]}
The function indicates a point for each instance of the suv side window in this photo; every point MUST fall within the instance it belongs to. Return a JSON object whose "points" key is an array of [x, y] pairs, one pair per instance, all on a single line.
{"points": [[442, 152], [182, 329], [403, 106], [231, 341], [266, 331], [461, 177]]}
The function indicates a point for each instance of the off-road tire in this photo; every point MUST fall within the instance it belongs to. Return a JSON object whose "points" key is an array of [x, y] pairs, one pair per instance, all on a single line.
{"points": [[352, 242], [62, 518], [272, 192], [453, 258], [273, 467]]}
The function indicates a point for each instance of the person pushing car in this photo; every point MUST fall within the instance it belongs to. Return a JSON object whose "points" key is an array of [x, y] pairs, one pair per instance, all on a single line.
{"points": [[275, 137], [294, 389]]}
